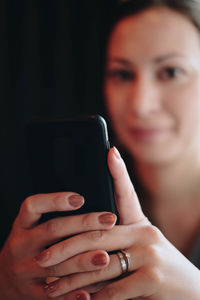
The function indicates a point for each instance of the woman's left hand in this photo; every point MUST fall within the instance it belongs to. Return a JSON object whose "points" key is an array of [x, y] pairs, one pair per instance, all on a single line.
{"points": [[157, 270]]}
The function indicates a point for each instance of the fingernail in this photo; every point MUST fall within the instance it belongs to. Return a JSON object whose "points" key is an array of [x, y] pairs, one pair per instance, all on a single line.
{"points": [[107, 219], [76, 200], [81, 297], [116, 152], [50, 288], [99, 260], [42, 257]]}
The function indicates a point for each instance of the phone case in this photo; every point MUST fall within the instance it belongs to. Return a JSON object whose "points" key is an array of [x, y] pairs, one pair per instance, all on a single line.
{"points": [[71, 155]]}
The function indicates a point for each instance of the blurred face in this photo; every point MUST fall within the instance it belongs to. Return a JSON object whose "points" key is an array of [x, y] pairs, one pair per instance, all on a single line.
{"points": [[152, 85]]}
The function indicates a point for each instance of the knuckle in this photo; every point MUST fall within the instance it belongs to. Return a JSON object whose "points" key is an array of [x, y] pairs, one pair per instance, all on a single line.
{"points": [[155, 276], [153, 253], [96, 235], [99, 273], [69, 283], [61, 249], [27, 205], [111, 292], [155, 232], [82, 264], [57, 200], [51, 227], [86, 220], [152, 233]]}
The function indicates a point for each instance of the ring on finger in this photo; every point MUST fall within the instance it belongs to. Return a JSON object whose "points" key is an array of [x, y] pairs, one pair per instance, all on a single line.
{"points": [[124, 258], [127, 257]]}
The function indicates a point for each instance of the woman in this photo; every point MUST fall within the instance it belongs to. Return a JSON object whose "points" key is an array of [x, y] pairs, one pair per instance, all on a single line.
{"points": [[152, 91]]}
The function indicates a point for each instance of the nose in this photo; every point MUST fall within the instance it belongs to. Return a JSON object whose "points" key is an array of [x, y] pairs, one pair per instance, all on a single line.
{"points": [[144, 98]]}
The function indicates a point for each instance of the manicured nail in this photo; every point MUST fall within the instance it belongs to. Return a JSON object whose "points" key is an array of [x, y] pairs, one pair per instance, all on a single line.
{"points": [[99, 260], [116, 152], [76, 200], [42, 257], [107, 219], [80, 297], [50, 288]]}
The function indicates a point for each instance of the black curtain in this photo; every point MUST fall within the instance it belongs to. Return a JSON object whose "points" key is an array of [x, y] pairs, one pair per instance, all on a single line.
{"points": [[51, 66]]}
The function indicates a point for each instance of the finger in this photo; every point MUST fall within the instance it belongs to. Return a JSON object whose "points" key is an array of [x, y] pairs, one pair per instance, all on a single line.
{"points": [[86, 262], [130, 287], [58, 228], [34, 206], [109, 240], [89, 241], [74, 295], [134, 285], [76, 281], [77, 295], [126, 199], [80, 294], [93, 288]]}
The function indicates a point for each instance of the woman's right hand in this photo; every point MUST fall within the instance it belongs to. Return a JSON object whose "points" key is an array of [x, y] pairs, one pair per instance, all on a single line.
{"points": [[21, 277]]}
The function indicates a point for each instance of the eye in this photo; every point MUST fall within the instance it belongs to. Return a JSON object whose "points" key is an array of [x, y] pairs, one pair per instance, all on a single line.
{"points": [[170, 73], [120, 75]]}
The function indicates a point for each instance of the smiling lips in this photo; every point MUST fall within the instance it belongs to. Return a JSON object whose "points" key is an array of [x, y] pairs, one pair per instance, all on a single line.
{"points": [[146, 134]]}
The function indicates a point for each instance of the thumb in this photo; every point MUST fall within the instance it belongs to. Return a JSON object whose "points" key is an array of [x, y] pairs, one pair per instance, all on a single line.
{"points": [[126, 198]]}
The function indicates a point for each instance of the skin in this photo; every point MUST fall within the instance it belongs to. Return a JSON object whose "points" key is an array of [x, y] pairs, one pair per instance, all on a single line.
{"points": [[152, 89], [158, 271], [21, 277], [153, 83]]}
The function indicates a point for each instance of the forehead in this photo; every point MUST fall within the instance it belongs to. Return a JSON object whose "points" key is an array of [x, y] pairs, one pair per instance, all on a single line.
{"points": [[154, 32]]}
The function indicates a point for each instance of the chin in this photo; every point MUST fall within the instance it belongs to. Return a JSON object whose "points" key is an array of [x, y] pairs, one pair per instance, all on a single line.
{"points": [[154, 155], [153, 159]]}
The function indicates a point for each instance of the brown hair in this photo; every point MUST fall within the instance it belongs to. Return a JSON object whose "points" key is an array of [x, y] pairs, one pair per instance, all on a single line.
{"points": [[124, 8], [188, 8]]}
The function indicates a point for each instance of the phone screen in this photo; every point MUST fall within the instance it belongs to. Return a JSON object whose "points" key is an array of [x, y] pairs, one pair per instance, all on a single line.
{"points": [[71, 155]]}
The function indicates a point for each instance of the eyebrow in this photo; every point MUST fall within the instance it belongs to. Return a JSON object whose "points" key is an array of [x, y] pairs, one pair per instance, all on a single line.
{"points": [[156, 60], [168, 56], [120, 60]]}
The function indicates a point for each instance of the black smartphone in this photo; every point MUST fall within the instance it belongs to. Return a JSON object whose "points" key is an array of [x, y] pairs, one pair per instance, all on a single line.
{"points": [[71, 155]]}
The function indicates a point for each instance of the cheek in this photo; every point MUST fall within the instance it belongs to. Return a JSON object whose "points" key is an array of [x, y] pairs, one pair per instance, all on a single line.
{"points": [[185, 108], [113, 101]]}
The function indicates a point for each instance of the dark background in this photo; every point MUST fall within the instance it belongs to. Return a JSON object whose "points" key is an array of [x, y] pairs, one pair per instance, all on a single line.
{"points": [[51, 65]]}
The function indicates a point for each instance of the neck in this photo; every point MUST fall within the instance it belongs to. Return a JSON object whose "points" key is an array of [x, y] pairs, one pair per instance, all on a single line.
{"points": [[177, 183], [174, 193]]}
